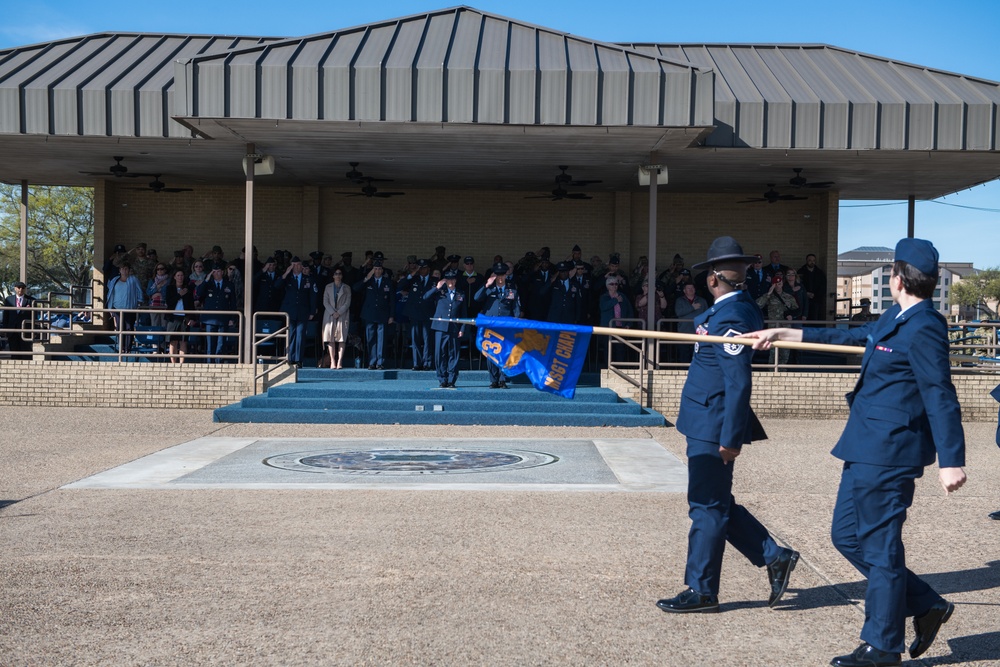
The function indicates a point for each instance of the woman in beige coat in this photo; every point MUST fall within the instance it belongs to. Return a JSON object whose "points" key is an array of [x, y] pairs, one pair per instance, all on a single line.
{"points": [[336, 318]]}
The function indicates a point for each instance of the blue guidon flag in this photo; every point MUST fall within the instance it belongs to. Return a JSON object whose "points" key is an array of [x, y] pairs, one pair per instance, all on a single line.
{"points": [[551, 355]]}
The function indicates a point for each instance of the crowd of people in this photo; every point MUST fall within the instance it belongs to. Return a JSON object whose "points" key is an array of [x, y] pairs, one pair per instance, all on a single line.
{"points": [[363, 304]]}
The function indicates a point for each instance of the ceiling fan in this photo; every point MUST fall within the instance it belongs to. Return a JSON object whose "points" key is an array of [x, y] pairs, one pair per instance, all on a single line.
{"points": [[772, 196], [799, 181], [159, 186], [561, 193], [118, 170], [369, 190], [359, 178], [563, 179]]}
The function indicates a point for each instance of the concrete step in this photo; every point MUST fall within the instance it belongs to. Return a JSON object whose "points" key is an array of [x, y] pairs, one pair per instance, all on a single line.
{"points": [[429, 400], [422, 389]]}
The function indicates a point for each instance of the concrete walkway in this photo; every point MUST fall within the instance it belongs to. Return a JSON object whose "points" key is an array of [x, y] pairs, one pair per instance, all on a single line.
{"points": [[375, 576]]}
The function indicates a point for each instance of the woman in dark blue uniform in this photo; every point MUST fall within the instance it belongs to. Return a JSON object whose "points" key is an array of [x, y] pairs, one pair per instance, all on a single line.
{"points": [[904, 411], [716, 418]]}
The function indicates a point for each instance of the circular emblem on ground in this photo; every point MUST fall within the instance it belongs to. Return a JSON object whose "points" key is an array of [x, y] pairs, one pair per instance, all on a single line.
{"points": [[426, 461]]}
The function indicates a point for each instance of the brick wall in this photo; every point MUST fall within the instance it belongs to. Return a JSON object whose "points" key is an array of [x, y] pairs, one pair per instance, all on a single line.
{"points": [[126, 385], [805, 395]]}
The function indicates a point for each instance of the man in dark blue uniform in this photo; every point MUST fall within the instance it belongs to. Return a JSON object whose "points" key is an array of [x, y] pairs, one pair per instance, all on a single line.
{"points": [[716, 418], [419, 313], [904, 410], [377, 311], [500, 299], [299, 303], [450, 305], [996, 394], [564, 296], [217, 293]]}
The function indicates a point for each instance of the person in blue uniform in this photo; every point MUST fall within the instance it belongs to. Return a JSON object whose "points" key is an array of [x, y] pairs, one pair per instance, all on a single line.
{"points": [[716, 418], [904, 411], [299, 302], [217, 293], [564, 296], [996, 394], [499, 298], [419, 313], [377, 311], [451, 304]]}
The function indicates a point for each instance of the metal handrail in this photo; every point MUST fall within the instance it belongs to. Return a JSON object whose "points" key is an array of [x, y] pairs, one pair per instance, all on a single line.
{"points": [[38, 330], [260, 339]]}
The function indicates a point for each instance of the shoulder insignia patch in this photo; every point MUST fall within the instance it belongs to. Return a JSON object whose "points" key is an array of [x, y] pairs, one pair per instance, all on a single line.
{"points": [[731, 348]]}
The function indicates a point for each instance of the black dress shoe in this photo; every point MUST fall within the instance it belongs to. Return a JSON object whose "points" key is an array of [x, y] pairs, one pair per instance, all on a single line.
{"points": [[379, 368], [867, 656], [690, 602], [778, 572], [443, 385], [503, 385], [995, 515], [926, 627], [494, 385], [371, 368]]}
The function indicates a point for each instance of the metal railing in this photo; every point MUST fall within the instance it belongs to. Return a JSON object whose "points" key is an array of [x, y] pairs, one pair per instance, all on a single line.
{"points": [[265, 338]]}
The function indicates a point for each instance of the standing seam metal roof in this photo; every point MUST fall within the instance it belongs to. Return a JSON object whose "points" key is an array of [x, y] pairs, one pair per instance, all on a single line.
{"points": [[457, 65], [819, 96]]}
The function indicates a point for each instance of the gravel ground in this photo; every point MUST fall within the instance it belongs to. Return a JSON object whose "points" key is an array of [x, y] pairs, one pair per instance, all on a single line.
{"points": [[376, 577]]}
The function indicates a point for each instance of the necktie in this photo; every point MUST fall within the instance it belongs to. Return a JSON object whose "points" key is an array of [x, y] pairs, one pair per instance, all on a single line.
{"points": [[218, 284], [270, 276], [298, 279]]}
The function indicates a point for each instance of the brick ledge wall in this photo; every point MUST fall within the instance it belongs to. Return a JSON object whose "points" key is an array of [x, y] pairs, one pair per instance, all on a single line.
{"points": [[85, 384], [806, 395]]}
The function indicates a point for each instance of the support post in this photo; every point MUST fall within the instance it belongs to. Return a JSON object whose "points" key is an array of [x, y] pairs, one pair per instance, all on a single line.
{"points": [[650, 345], [248, 328], [24, 232], [910, 216]]}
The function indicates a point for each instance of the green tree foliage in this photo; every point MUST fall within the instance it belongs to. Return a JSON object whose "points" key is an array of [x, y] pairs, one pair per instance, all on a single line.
{"points": [[981, 289], [60, 237]]}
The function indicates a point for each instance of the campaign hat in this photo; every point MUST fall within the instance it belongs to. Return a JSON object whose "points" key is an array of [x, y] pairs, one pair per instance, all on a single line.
{"points": [[724, 249]]}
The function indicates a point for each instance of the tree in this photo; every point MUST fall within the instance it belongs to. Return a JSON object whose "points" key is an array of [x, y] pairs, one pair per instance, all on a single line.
{"points": [[979, 291], [60, 236]]}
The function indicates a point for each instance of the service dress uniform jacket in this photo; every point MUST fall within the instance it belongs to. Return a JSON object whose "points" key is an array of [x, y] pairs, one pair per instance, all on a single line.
{"points": [[14, 319], [449, 306], [379, 307], [299, 301], [715, 411], [267, 292], [904, 411], [564, 302], [418, 312], [498, 301]]}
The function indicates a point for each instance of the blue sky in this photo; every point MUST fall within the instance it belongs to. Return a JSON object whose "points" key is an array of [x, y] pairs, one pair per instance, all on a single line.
{"points": [[958, 36]]}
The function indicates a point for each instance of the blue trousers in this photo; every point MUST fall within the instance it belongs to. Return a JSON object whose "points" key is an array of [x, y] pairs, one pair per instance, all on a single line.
{"points": [[214, 344], [421, 341], [716, 518], [296, 334], [868, 530], [375, 333], [446, 356], [496, 375]]}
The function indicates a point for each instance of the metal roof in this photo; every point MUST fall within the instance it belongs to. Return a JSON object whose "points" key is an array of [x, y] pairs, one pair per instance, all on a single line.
{"points": [[460, 98], [107, 84], [457, 65], [824, 97]]}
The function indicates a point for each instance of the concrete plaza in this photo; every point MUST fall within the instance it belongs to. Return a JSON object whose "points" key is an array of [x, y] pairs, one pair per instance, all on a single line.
{"points": [[497, 575]]}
